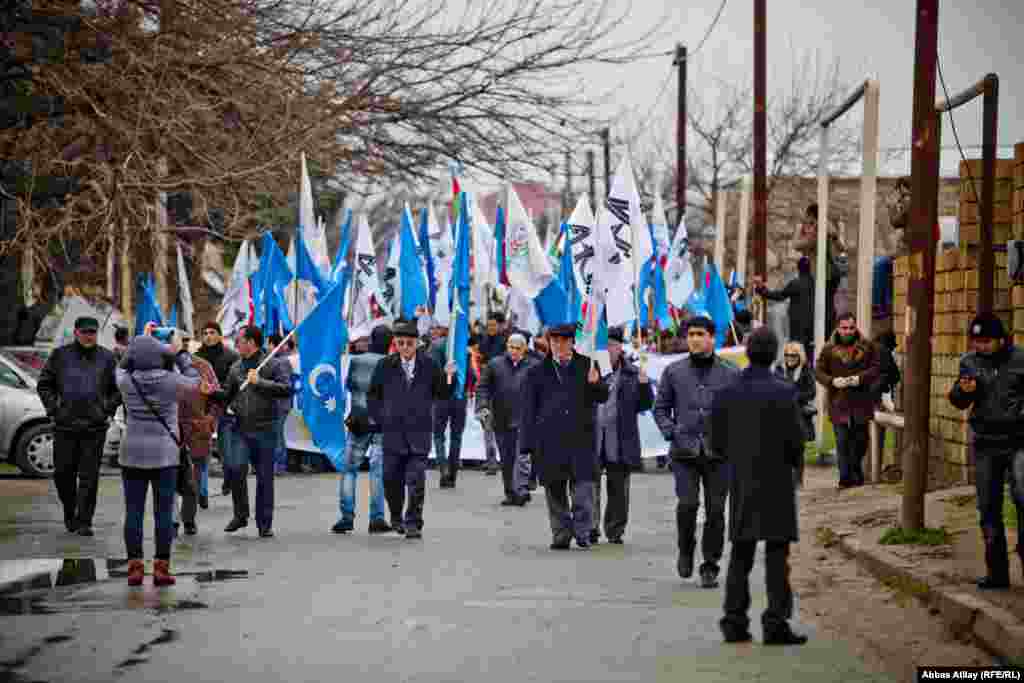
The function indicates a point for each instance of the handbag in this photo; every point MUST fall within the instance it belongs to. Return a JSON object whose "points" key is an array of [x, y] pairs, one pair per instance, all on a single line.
{"points": [[185, 485]]}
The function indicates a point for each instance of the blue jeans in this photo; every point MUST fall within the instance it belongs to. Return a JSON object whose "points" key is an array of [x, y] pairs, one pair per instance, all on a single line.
{"points": [[258, 448], [358, 447], [136, 484], [281, 453], [202, 470], [851, 447]]}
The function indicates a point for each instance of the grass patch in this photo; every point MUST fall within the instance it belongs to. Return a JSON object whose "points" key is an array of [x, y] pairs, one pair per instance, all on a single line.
{"points": [[926, 536], [826, 537], [1009, 511], [906, 588]]}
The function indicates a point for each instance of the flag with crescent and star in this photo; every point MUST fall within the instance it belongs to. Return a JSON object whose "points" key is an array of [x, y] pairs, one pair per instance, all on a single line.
{"points": [[322, 341]]}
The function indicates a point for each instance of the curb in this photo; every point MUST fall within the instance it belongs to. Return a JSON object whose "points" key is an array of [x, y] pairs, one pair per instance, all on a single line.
{"points": [[998, 630]]}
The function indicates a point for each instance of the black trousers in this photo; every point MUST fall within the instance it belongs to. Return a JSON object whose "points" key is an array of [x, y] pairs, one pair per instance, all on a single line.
{"points": [[616, 508], [737, 586], [689, 475], [76, 460], [405, 471], [852, 441], [996, 466]]}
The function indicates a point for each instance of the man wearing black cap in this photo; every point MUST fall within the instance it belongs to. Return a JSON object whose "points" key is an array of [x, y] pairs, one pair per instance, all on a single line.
{"points": [[682, 411], [557, 428], [79, 390], [618, 436], [800, 293], [758, 432], [402, 392], [991, 384]]}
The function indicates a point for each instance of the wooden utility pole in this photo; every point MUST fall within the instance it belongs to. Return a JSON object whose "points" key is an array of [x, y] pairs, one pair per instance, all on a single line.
{"points": [[606, 138], [590, 173], [680, 61], [760, 139], [924, 172]]}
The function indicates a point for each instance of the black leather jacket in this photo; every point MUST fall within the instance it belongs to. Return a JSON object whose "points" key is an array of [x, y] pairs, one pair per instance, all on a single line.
{"points": [[78, 388], [997, 405]]}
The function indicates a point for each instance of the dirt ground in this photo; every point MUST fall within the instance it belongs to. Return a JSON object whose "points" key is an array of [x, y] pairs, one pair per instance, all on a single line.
{"points": [[889, 628]]}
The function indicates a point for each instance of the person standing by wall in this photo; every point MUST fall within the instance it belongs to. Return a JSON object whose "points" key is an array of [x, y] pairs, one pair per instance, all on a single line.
{"points": [[682, 411], [991, 385], [558, 432], [78, 388], [848, 368]]}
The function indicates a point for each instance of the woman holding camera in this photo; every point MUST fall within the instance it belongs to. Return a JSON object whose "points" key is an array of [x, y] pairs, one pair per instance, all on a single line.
{"points": [[153, 378]]}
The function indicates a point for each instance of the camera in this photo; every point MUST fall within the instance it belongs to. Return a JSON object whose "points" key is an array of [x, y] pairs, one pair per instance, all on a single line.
{"points": [[163, 334]]}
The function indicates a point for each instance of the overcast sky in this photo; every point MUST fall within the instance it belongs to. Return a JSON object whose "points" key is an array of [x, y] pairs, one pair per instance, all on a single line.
{"points": [[867, 37]]}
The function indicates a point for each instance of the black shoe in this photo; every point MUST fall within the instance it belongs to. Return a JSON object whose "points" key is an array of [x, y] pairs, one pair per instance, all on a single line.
{"points": [[342, 527], [733, 634], [235, 525], [532, 486], [527, 497], [225, 489], [988, 583], [413, 534], [84, 530], [583, 543], [71, 525], [617, 540], [509, 500], [560, 545], [595, 536], [204, 502], [379, 526], [708, 578], [266, 533], [783, 636], [191, 529], [398, 528], [446, 483], [684, 565], [491, 472]]}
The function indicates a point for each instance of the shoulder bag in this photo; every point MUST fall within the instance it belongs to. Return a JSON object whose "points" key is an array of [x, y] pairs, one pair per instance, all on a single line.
{"points": [[186, 483]]}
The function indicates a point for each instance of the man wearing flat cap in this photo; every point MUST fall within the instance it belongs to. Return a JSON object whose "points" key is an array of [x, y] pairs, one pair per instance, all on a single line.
{"points": [[400, 400], [79, 390], [991, 385], [682, 411], [557, 428]]}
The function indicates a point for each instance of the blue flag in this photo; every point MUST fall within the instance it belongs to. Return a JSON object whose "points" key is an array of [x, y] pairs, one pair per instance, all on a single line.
{"points": [[306, 270], [458, 346], [147, 310], [340, 262], [718, 305], [323, 387], [410, 271], [172, 317], [428, 259], [574, 299], [268, 283]]}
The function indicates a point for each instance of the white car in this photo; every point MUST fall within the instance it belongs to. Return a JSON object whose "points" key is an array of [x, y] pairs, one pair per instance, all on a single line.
{"points": [[26, 433]]}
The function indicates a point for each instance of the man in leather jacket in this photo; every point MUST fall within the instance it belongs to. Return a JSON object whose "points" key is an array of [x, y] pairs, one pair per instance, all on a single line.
{"points": [[991, 385]]}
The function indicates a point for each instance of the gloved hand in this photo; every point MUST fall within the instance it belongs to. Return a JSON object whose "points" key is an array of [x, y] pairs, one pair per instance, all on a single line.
{"points": [[853, 381], [839, 382]]}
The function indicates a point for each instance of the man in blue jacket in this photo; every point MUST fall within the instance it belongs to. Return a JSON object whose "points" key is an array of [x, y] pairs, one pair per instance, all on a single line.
{"points": [[78, 388], [401, 397]]}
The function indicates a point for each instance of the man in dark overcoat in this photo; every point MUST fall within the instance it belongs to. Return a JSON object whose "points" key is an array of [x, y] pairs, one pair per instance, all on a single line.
{"points": [[756, 421], [618, 436], [682, 411], [402, 392], [557, 430]]}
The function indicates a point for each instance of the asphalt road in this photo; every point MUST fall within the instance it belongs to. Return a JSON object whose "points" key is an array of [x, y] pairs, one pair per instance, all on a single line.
{"points": [[481, 597]]}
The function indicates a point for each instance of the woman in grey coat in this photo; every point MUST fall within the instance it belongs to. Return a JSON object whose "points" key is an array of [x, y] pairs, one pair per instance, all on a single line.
{"points": [[150, 453]]}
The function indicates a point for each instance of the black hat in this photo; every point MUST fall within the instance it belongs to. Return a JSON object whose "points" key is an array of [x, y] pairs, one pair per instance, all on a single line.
{"points": [[565, 330], [616, 334], [987, 326], [701, 322], [405, 328], [87, 324]]}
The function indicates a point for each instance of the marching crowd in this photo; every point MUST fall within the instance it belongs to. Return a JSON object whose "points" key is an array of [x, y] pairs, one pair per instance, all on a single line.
{"points": [[551, 415]]}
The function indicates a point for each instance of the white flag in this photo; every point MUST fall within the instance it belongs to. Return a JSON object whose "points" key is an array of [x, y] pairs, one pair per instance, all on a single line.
{"points": [[366, 286], [442, 249], [583, 242], [483, 245], [185, 294], [389, 281], [679, 269], [659, 226], [236, 310], [529, 270]]}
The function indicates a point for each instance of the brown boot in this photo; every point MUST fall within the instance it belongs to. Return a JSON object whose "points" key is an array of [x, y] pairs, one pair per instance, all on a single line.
{"points": [[136, 572], [162, 573]]}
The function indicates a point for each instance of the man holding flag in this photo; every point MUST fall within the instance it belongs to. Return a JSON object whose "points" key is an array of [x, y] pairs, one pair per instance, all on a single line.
{"points": [[402, 392]]}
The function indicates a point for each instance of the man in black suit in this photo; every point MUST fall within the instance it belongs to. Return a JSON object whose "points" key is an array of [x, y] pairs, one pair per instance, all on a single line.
{"points": [[557, 428], [756, 422], [401, 398]]}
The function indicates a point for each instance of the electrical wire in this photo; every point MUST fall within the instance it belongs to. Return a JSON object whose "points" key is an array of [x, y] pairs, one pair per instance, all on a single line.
{"points": [[711, 28], [956, 136]]}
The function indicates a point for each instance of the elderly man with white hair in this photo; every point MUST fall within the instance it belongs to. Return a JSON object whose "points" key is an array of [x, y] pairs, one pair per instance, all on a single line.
{"points": [[499, 401]]}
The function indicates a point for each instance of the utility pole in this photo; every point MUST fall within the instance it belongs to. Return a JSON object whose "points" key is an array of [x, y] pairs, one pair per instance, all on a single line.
{"points": [[924, 173], [606, 137], [760, 139], [590, 173], [680, 61]]}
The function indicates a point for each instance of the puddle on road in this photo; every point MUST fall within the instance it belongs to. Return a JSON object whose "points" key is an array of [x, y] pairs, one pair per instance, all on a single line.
{"points": [[87, 585]]}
